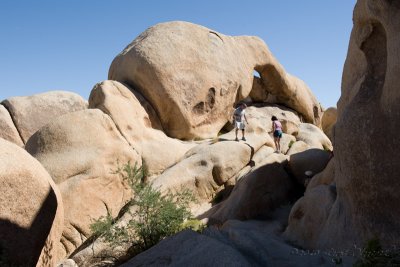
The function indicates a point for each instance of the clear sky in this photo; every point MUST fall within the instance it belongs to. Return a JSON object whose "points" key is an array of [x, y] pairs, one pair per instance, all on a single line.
{"points": [[70, 44]]}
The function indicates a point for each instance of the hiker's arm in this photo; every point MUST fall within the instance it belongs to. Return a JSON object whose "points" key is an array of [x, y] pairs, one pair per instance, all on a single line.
{"points": [[245, 118]]}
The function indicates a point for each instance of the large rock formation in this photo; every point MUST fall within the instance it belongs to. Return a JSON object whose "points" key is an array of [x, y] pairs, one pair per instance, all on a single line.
{"points": [[210, 170], [209, 167], [193, 75], [309, 214], [30, 113], [116, 100], [257, 194], [206, 169], [81, 151], [366, 134], [31, 210], [185, 79]]}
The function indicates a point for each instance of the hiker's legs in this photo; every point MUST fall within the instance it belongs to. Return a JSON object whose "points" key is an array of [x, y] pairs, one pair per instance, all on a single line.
{"points": [[277, 145], [236, 133], [242, 133]]}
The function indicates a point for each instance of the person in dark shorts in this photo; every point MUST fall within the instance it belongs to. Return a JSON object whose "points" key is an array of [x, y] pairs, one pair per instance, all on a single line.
{"points": [[277, 130]]}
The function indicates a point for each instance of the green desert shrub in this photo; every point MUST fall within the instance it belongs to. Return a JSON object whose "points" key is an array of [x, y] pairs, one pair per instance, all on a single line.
{"points": [[291, 143], [154, 215], [193, 224]]}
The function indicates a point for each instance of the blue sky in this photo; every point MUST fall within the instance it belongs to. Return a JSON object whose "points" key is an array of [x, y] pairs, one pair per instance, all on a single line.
{"points": [[69, 45]]}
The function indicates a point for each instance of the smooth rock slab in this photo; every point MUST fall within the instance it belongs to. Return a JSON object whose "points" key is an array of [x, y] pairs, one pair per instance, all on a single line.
{"points": [[82, 151], [31, 209], [30, 113]]}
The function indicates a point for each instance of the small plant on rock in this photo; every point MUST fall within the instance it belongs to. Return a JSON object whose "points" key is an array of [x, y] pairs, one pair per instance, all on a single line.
{"points": [[291, 143], [154, 215]]}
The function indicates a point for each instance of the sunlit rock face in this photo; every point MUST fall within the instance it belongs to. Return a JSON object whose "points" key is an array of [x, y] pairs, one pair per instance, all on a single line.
{"points": [[31, 210], [193, 76], [30, 113], [81, 151], [137, 127]]}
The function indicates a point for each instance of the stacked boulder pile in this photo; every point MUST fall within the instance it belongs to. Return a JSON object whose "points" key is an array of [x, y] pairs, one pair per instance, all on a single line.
{"points": [[168, 104]]}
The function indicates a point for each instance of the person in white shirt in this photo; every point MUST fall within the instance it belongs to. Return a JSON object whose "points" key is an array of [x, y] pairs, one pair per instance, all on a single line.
{"points": [[239, 117]]}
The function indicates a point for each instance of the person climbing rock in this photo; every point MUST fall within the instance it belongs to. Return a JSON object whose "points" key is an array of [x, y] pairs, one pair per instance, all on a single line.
{"points": [[239, 117], [277, 130]]}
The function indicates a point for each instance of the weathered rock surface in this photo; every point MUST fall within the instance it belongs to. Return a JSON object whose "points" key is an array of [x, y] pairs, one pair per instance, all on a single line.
{"points": [[366, 135], [249, 243], [258, 92], [263, 113], [256, 194], [261, 157], [30, 113], [8, 130], [313, 136], [250, 192], [309, 215], [192, 88], [151, 112], [367, 164], [291, 91], [31, 209], [328, 121], [286, 141], [169, 83], [207, 167], [98, 252], [314, 160], [67, 263], [158, 151], [81, 151], [297, 147], [326, 177]]}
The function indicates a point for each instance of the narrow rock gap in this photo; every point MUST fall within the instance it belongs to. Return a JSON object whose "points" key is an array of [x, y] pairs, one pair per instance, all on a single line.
{"points": [[217, 35], [82, 236], [142, 99], [107, 112], [65, 240], [15, 125]]}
